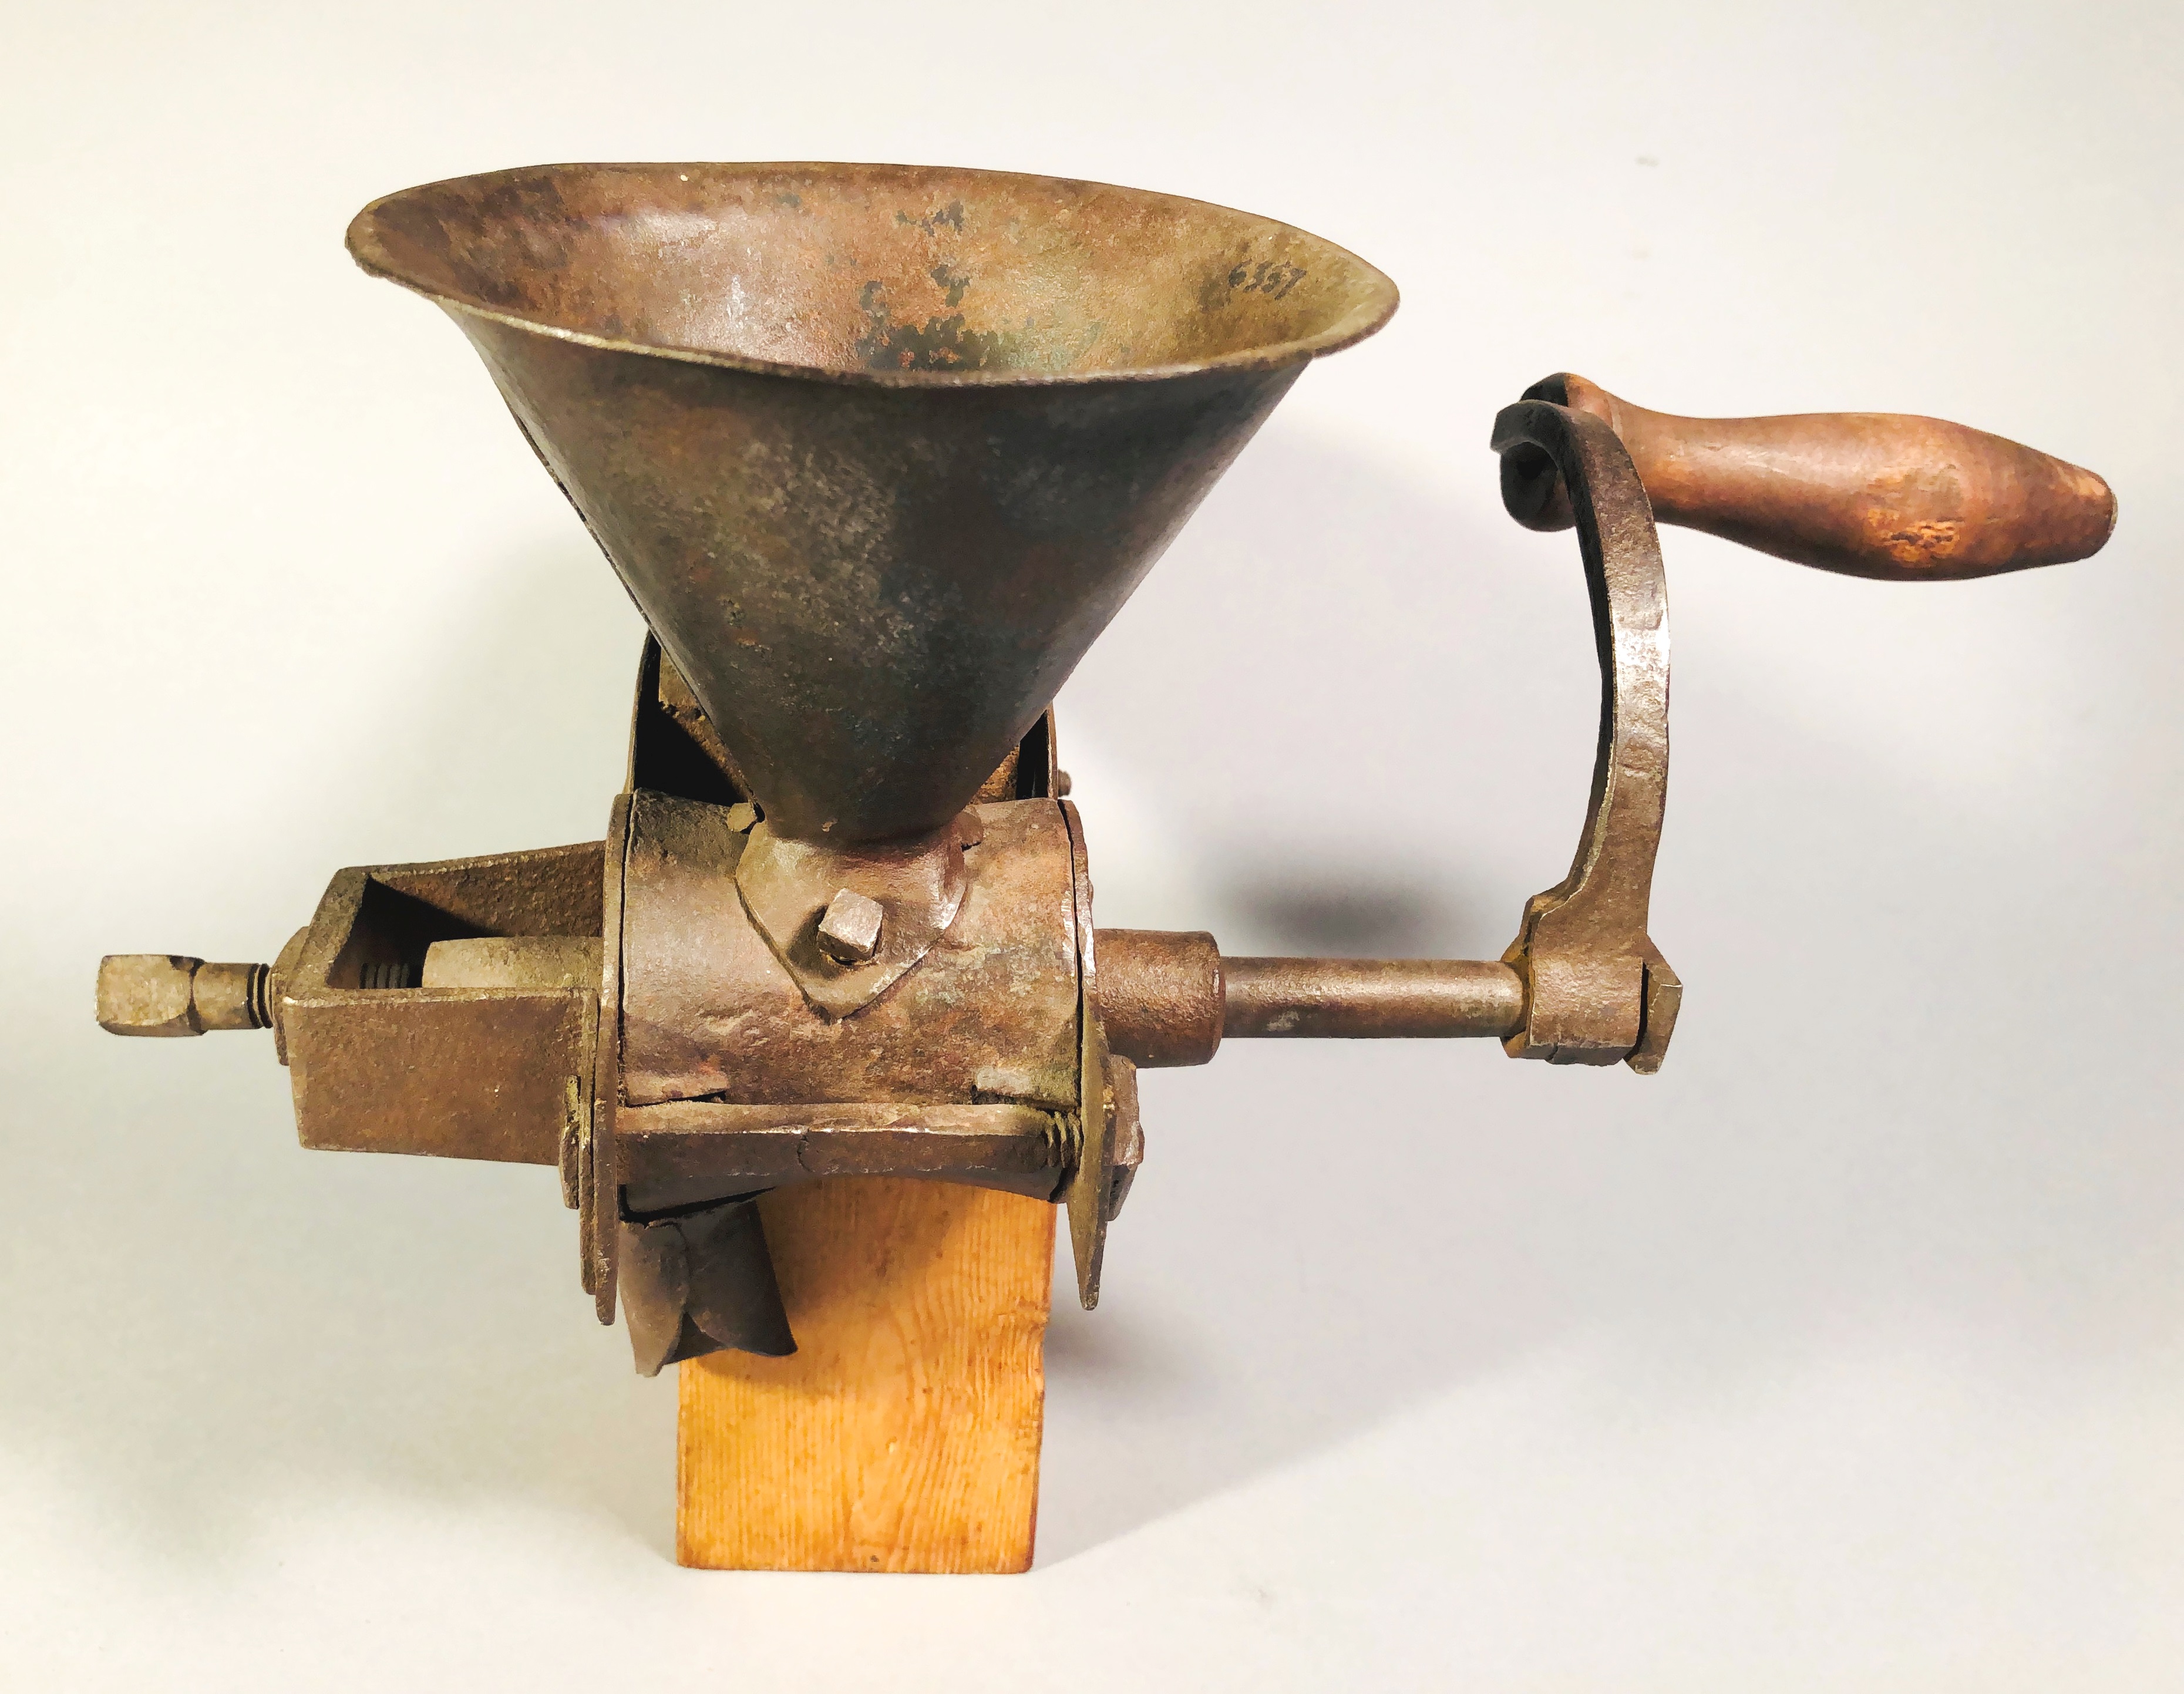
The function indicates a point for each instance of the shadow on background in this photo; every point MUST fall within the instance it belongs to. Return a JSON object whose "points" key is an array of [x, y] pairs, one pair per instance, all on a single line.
{"points": [[1854, 1134], [1351, 920]]}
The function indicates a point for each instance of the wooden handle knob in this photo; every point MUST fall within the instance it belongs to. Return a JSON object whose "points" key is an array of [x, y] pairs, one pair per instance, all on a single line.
{"points": [[1868, 494]]}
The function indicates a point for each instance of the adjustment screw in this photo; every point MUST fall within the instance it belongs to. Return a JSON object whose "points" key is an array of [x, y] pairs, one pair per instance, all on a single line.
{"points": [[171, 994]]}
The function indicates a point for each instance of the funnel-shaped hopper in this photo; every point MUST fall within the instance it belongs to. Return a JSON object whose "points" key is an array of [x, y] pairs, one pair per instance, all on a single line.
{"points": [[877, 450]]}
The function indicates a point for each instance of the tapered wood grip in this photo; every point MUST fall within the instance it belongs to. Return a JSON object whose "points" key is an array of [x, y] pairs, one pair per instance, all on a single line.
{"points": [[1867, 493]]}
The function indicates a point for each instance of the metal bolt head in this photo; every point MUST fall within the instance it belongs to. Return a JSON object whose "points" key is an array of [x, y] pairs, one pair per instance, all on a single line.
{"points": [[849, 929], [147, 994]]}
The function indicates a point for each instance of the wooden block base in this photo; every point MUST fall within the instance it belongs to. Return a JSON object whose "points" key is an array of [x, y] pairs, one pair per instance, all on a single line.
{"points": [[904, 1432]]}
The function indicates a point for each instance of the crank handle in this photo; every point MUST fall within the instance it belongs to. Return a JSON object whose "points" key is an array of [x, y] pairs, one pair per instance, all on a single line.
{"points": [[1901, 498], [1905, 499]]}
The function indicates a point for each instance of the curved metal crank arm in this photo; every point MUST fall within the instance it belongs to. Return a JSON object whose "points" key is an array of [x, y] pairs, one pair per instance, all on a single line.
{"points": [[1582, 984], [1597, 990]]}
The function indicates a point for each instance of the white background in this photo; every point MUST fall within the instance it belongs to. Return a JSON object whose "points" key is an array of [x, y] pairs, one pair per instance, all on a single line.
{"points": [[1844, 1354]]}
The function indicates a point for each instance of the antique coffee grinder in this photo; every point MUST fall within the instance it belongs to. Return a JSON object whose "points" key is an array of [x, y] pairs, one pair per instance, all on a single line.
{"points": [[877, 452]]}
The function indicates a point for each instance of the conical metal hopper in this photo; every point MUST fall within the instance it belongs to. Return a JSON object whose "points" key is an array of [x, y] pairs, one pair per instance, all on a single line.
{"points": [[877, 450]]}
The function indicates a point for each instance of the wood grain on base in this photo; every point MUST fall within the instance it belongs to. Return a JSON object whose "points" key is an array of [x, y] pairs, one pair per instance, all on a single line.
{"points": [[903, 1435]]}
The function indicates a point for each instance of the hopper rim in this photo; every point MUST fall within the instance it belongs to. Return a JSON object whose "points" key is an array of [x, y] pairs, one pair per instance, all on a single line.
{"points": [[1376, 306]]}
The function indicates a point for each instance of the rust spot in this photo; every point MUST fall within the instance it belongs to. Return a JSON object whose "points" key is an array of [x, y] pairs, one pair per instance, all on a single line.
{"points": [[937, 344], [957, 283], [951, 214]]}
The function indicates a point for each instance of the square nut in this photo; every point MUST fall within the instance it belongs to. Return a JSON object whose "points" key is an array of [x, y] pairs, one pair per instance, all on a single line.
{"points": [[849, 930]]}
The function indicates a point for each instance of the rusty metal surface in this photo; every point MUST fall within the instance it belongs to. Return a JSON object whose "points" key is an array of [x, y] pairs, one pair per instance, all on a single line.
{"points": [[682, 1153], [482, 1072], [708, 1010], [1090, 1189], [915, 886], [1171, 999], [284, 966], [1160, 995], [1371, 998], [1866, 493], [597, 1166], [1598, 990], [878, 450], [1129, 1134], [689, 1150]]}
